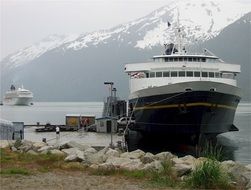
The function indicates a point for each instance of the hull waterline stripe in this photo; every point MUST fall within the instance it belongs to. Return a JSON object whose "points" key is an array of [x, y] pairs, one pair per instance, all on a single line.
{"points": [[187, 105]]}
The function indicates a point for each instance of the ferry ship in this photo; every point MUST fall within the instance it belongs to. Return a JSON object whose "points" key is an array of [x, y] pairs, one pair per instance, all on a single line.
{"points": [[181, 98], [18, 96]]}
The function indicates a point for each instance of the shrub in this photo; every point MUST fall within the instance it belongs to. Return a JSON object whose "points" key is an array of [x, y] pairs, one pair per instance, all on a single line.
{"points": [[17, 143], [138, 174], [14, 171], [212, 151], [208, 175], [164, 178], [104, 172]]}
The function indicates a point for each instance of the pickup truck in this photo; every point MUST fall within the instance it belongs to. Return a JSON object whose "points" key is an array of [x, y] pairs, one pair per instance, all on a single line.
{"points": [[125, 121]]}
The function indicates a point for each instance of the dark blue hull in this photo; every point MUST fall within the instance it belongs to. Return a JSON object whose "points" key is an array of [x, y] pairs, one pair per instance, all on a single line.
{"points": [[183, 117]]}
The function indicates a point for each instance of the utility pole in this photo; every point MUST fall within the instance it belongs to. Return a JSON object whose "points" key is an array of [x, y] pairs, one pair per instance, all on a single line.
{"points": [[114, 102], [110, 109]]}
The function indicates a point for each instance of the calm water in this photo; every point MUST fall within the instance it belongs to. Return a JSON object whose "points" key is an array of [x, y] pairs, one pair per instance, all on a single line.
{"points": [[238, 143]]}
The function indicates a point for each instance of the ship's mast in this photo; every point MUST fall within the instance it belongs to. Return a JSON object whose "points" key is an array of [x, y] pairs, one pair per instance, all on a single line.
{"points": [[179, 40]]}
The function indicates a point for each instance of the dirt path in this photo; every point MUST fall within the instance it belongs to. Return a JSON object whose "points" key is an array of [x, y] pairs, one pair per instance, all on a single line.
{"points": [[69, 181]]}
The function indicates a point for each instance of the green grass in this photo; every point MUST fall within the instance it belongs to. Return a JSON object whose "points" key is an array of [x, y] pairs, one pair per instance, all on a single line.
{"points": [[15, 171], [164, 178], [31, 163], [104, 172], [137, 174], [208, 175], [212, 151]]}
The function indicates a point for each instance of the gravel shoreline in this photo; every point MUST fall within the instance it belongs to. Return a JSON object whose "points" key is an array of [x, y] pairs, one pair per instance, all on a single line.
{"points": [[70, 180]]}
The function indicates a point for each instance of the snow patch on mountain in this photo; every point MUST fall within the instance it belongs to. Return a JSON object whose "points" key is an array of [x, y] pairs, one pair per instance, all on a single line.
{"points": [[25, 55], [199, 20], [94, 38], [154, 37]]}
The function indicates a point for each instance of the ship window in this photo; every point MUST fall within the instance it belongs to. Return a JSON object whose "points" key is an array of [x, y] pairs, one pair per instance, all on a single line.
{"points": [[190, 59], [174, 74], [147, 75], [181, 59], [181, 73], [170, 59], [199, 59], [189, 73], [197, 74], [203, 59], [194, 59], [228, 75], [217, 75], [211, 74], [175, 59], [152, 74], [166, 74], [185, 58], [158, 74], [166, 59], [159, 59], [204, 74]]}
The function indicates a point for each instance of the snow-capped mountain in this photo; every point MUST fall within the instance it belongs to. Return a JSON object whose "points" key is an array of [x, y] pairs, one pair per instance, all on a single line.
{"points": [[200, 21], [36, 50], [73, 68]]}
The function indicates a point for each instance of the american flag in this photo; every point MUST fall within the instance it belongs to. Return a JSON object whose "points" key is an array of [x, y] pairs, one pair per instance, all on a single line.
{"points": [[137, 75]]}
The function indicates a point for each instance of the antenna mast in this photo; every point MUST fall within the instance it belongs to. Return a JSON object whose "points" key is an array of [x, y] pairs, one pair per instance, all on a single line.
{"points": [[179, 33]]}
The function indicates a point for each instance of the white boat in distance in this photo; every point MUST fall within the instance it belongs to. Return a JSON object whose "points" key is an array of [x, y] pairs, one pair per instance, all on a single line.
{"points": [[18, 96]]}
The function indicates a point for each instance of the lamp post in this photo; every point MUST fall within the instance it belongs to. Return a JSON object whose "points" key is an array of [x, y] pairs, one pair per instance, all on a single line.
{"points": [[114, 102], [110, 107]]}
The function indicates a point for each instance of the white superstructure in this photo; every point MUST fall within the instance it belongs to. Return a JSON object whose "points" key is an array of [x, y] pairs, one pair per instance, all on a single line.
{"points": [[172, 69], [20, 96]]}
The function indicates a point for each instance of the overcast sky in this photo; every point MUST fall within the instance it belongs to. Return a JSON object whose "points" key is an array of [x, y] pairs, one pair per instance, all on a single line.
{"points": [[24, 22]]}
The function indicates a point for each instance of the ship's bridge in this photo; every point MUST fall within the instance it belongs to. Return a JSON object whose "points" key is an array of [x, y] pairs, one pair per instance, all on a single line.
{"points": [[185, 58]]}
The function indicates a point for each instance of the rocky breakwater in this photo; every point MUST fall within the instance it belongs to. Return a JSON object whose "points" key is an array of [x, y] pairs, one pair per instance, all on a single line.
{"points": [[115, 159]]}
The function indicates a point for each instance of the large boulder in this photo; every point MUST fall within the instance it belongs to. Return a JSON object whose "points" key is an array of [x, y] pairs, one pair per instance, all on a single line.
{"points": [[153, 166], [77, 156], [248, 167], [71, 158], [147, 158], [182, 169], [69, 151], [240, 173], [45, 148], [91, 156], [125, 163], [136, 154], [73, 144], [164, 156], [189, 160], [57, 152], [134, 164], [117, 161], [104, 166], [185, 164], [94, 157], [25, 146], [112, 153], [38, 145], [247, 175], [98, 157], [32, 152], [90, 150]]}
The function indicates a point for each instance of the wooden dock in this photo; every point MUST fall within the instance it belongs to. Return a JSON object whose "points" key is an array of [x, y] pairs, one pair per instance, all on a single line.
{"points": [[52, 128]]}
